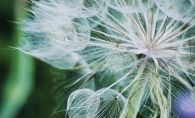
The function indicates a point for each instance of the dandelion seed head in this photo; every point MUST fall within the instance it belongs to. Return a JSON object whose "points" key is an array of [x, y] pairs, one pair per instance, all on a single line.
{"points": [[139, 49]]}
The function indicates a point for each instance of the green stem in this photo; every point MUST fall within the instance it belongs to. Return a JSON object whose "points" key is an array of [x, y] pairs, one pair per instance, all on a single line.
{"points": [[135, 99]]}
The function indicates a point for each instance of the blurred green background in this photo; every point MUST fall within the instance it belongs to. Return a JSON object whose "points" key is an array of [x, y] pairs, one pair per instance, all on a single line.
{"points": [[26, 83]]}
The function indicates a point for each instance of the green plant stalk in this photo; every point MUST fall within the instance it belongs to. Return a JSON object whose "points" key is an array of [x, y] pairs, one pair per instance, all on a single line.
{"points": [[135, 99], [20, 79]]}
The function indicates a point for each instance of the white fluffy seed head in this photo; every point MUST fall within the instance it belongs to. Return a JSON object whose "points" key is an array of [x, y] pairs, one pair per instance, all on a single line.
{"points": [[122, 41]]}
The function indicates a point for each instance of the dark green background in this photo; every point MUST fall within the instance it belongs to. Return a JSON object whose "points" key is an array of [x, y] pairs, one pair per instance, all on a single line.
{"points": [[18, 70]]}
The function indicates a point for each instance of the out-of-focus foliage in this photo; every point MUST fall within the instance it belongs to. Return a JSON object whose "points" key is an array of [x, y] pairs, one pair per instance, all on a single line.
{"points": [[25, 91]]}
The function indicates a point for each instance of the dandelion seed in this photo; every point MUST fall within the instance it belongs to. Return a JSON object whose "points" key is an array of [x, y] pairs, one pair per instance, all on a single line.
{"points": [[140, 48], [83, 104], [112, 103], [104, 103]]}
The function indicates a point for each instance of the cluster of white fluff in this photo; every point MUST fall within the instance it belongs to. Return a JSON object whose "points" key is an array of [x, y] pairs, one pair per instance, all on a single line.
{"points": [[104, 103], [144, 49]]}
